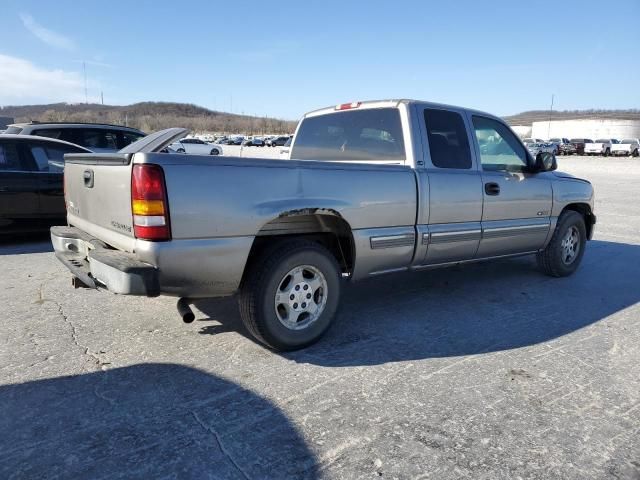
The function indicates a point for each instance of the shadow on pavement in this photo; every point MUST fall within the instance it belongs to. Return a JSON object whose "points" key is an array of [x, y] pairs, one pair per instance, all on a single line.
{"points": [[25, 243], [146, 421], [468, 309]]}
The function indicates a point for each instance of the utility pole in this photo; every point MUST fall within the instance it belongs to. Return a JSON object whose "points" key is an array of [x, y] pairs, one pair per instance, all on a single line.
{"points": [[84, 68], [550, 113], [101, 97]]}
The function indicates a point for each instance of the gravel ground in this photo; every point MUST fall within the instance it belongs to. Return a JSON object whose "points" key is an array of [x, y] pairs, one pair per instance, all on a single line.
{"points": [[484, 371]]}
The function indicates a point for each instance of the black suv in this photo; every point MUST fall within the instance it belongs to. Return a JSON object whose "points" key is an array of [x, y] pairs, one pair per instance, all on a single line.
{"points": [[97, 137]]}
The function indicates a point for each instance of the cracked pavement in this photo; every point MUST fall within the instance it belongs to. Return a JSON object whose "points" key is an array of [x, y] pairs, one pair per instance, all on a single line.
{"points": [[484, 371]]}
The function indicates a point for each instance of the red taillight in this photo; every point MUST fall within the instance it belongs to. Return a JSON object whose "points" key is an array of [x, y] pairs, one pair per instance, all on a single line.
{"points": [[348, 106], [149, 203]]}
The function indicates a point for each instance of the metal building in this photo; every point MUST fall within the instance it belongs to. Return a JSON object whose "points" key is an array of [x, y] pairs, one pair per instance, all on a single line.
{"points": [[593, 129]]}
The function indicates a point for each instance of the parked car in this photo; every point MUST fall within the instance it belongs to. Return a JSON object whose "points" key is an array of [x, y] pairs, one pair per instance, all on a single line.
{"points": [[564, 146], [237, 140], [378, 190], [278, 141], [627, 146], [31, 192], [196, 146], [253, 142], [601, 146], [579, 144], [532, 140], [536, 148], [97, 137], [285, 151]]}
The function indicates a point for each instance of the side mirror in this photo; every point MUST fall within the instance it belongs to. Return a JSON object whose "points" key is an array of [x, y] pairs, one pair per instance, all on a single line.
{"points": [[546, 162]]}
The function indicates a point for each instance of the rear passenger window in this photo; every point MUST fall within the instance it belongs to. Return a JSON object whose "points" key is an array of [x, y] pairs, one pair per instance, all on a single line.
{"points": [[10, 158], [51, 159], [368, 135], [128, 138], [48, 132], [448, 141], [98, 139]]}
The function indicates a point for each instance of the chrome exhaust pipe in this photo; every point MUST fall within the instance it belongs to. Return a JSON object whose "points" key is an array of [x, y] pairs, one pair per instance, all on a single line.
{"points": [[185, 310]]}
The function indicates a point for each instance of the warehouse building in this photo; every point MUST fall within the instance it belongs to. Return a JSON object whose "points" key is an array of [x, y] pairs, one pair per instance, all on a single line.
{"points": [[593, 129]]}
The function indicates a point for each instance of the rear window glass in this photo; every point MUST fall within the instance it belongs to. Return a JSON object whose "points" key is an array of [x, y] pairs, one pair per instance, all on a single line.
{"points": [[129, 137], [48, 132], [628, 140], [602, 140], [365, 135], [51, 158], [448, 141], [13, 130], [9, 157], [98, 139]]}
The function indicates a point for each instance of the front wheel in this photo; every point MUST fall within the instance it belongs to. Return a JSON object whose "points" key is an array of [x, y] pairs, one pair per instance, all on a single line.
{"points": [[607, 152], [566, 247], [291, 295], [215, 151]]}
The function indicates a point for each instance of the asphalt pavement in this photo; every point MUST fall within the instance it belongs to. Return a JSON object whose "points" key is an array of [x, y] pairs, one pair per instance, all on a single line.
{"points": [[484, 371]]}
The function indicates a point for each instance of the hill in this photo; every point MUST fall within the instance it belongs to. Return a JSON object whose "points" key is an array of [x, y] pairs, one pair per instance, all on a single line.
{"points": [[150, 116], [527, 118]]}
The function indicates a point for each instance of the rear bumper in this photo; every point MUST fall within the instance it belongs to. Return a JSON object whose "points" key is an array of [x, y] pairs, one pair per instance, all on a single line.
{"points": [[95, 265], [193, 268]]}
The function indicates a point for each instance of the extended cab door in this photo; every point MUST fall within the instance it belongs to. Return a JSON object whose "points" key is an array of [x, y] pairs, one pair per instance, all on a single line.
{"points": [[450, 189], [516, 215]]}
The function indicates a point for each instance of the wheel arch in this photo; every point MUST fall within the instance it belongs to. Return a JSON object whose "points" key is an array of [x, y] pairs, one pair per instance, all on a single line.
{"points": [[583, 209], [321, 225]]}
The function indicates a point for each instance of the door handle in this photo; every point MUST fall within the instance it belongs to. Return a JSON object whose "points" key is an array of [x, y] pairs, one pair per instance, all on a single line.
{"points": [[492, 188]]}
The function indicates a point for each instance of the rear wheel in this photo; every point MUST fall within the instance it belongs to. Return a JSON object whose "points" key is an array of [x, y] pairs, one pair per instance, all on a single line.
{"points": [[635, 153], [291, 295], [607, 152], [566, 248], [215, 151]]}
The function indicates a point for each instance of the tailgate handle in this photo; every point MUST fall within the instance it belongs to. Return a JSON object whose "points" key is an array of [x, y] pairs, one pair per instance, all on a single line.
{"points": [[87, 176]]}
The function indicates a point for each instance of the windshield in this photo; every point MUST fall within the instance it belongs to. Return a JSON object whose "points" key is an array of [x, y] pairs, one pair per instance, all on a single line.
{"points": [[603, 140], [628, 140], [558, 140], [13, 130]]}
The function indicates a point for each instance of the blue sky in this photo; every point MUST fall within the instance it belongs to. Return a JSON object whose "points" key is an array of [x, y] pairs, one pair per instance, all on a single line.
{"points": [[284, 58]]}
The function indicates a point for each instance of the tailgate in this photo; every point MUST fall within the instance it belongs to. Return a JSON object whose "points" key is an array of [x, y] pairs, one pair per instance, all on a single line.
{"points": [[98, 189], [98, 196]]}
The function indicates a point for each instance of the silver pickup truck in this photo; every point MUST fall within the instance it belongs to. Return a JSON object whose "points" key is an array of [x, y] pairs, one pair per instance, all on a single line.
{"points": [[371, 188]]}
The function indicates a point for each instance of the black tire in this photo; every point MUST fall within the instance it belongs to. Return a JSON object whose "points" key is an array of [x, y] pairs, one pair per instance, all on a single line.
{"points": [[180, 150], [265, 277], [215, 151], [607, 152], [635, 153], [551, 259]]}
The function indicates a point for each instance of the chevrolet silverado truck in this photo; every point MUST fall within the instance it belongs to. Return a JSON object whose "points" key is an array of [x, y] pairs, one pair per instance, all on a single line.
{"points": [[627, 146], [602, 146], [369, 188]]}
